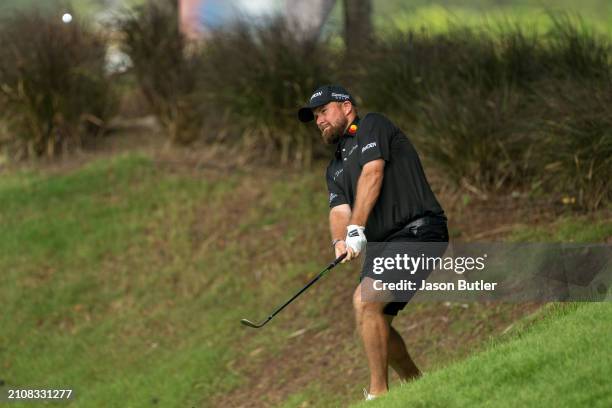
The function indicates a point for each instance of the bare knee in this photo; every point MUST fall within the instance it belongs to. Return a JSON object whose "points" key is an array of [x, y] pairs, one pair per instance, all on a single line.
{"points": [[363, 308]]}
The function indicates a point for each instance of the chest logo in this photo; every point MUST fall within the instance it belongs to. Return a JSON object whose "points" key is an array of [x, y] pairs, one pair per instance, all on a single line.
{"points": [[337, 173]]}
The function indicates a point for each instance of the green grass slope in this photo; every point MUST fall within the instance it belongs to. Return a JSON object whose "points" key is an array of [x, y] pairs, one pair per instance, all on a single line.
{"points": [[89, 285], [125, 280], [563, 361]]}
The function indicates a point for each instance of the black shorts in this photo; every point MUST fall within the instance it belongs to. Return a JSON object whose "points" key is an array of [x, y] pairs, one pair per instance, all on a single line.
{"points": [[434, 230]]}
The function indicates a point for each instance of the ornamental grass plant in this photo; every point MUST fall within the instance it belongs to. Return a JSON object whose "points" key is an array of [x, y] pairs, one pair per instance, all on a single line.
{"points": [[54, 90]]}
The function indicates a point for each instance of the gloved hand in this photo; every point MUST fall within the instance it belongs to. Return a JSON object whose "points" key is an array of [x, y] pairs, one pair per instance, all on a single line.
{"points": [[355, 240]]}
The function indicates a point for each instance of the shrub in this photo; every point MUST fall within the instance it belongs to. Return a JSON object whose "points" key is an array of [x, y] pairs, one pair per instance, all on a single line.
{"points": [[53, 88], [576, 51], [505, 107], [256, 76], [166, 70], [475, 137], [575, 150], [409, 67]]}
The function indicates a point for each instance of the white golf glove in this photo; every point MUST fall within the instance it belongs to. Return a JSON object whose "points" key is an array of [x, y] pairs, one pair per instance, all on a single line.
{"points": [[355, 238]]}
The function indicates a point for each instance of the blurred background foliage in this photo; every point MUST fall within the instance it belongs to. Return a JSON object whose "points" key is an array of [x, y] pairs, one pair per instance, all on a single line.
{"points": [[54, 90], [495, 94]]}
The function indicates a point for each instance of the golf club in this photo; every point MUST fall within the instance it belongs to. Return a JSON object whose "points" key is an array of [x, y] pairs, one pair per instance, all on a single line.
{"points": [[330, 266]]}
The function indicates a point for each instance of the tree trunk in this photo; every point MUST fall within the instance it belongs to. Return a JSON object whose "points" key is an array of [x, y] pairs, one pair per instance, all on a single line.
{"points": [[357, 25]]}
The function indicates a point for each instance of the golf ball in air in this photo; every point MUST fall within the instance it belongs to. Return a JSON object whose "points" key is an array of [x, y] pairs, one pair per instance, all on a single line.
{"points": [[66, 18]]}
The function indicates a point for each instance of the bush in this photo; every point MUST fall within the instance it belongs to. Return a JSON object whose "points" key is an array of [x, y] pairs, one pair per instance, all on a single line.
{"points": [[576, 52], [256, 77], [240, 86], [575, 150], [407, 68], [166, 70], [474, 137], [53, 88], [502, 108], [492, 108]]}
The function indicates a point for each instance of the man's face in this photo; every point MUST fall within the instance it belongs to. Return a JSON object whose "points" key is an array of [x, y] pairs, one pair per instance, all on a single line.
{"points": [[331, 120]]}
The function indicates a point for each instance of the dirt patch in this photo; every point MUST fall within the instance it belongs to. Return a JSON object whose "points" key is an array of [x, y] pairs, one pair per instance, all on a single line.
{"points": [[123, 136]]}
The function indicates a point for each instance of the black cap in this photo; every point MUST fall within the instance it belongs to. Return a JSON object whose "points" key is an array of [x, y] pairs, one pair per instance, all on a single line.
{"points": [[323, 96]]}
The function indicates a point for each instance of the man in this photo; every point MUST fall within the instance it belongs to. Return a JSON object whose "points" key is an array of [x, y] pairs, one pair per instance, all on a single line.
{"points": [[377, 189]]}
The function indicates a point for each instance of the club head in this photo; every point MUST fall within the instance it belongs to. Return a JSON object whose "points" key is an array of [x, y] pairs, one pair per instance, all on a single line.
{"points": [[251, 324]]}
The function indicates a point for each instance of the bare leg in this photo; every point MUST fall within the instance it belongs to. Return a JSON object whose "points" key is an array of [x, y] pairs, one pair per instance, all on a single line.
{"points": [[374, 331], [399, 359]]}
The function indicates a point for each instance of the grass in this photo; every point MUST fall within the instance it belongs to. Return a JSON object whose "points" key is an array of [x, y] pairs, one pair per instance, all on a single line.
{"points": [[563, 361], [566, 229], [118, 278], [83, 7], [85, 304], [125, 281], [442, 15], [557, 357]]}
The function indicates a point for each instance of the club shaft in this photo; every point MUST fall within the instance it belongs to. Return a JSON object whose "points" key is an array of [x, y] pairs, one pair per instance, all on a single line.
{"points": [[299, 293], [316, 278]]}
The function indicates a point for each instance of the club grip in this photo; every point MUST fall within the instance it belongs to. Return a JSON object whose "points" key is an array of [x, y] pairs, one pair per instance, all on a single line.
{"points": [[337, 261]]}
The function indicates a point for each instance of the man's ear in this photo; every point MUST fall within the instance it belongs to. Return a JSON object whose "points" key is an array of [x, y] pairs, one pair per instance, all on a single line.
{"points": [[347, 107]]}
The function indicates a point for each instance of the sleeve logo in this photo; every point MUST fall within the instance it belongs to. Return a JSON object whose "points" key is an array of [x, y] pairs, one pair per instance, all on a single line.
{"points": [[368, 146]]}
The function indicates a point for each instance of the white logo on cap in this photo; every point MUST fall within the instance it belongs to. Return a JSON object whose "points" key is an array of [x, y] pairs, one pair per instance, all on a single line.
{"points": [[340, 96], [314, 95]]}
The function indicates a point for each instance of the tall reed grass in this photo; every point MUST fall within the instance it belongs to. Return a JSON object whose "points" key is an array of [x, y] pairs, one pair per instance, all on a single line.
{"points": [[167, 73], [503, 107], [491, 108], [255, 77], [53, 85]]}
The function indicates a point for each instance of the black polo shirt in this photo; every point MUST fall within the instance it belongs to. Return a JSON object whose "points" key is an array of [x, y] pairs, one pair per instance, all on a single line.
{"points": [[405, 194]]}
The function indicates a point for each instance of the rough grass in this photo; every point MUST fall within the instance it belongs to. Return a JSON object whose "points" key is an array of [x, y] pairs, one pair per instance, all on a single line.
{"points": [[90, 286], [442, 15], [125, 280], [558, 356], [566, 229], [563, 361]]}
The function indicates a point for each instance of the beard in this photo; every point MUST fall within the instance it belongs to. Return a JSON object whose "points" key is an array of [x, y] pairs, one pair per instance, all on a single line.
{"points": [[331, 134]]}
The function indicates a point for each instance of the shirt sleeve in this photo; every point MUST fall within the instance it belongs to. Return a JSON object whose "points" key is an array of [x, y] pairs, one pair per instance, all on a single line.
{"points": [[375, 133], [334, 187]]}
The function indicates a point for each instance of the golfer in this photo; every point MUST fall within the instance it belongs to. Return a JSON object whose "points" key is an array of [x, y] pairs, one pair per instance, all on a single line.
{"points": [[378, 192]]}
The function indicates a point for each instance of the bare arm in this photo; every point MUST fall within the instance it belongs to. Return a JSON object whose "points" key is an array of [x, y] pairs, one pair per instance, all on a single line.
{"points": [[339, 217], [368, 190]]}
